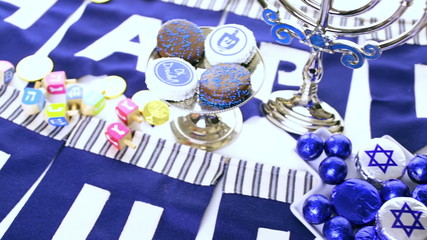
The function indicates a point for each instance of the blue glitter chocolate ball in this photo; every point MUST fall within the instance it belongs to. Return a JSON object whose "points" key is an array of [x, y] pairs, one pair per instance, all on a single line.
{"points": [[420, 193], [366, 233], [338, 228], [317, 209], [309, 146], [417, 169], [357, 200], [394, 188], [338, 145], [333, 170]]}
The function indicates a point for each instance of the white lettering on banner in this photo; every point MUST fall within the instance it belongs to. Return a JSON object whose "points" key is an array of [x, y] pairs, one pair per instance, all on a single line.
{"points": [[420, 87], [142, 222], [3, 158], [270, 234], [29, 12], [83, 214], [292, 78], [120, 40]]}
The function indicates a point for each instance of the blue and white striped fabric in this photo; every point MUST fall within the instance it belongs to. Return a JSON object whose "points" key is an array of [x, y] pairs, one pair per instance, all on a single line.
{"points": [[11, 109], [159, 190], [166, 157], [256, 202]]}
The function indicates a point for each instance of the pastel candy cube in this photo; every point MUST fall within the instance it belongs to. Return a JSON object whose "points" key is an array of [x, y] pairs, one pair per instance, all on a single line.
{"points": [[6, 72], [74, 94], [54, 82], [57, 114], [119, 135], [92, 103], [33, 100], [128, 111]]}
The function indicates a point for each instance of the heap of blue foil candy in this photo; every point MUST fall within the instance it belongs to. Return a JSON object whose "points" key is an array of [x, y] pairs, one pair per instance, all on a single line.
{"points": [[354, 203]]}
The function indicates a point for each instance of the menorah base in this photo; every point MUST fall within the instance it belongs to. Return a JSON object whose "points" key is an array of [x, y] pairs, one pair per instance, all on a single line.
{"points": [[286, 110]]}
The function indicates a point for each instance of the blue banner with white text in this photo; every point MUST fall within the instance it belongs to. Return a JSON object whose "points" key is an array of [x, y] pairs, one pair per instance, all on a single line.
{"points": [[26, 26], [88, 196], [24, 155]]}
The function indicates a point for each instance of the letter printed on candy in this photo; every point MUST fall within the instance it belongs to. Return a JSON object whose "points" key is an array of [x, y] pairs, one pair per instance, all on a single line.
{"points": [[128, 111], [54, 82], [119, 135]]}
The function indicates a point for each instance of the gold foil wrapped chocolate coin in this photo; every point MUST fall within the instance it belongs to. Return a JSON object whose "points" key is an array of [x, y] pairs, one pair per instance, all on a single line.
{"points": [[156, 112]]}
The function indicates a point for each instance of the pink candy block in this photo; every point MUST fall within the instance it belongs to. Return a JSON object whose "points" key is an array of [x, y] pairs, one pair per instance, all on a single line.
{"points": [[128, 111], [54, 82], [119, 135]]}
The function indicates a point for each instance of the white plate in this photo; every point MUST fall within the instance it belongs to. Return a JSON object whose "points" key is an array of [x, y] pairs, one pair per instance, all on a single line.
{"points": [[325, 189]]}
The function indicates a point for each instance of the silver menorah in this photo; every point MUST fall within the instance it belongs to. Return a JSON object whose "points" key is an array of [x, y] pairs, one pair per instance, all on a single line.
{"points": [[302, 111]]}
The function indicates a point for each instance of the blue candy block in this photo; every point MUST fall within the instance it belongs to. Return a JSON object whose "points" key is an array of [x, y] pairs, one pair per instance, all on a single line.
{"points": [[74, 92], [7, 71], [58, 121], [8, 75], [33, 100], [32, 96]]}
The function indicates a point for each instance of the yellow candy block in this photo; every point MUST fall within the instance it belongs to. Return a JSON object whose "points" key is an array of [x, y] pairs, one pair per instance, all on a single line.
{"points": [[56, 114]]}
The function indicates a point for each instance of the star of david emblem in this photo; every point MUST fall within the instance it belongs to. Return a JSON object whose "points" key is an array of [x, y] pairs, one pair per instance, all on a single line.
{"points": [[375, 163], [398, 223]]}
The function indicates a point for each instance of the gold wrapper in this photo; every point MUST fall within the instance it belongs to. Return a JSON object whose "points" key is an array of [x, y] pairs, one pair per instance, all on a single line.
{"points": [[156, 112]]}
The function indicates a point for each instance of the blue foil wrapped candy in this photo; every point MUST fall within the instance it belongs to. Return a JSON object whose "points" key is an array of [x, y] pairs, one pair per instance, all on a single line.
{"points": [[317, 209], [366, 233], [338, 145], [417, 169], [338, 228], [356, 200], [394, 188], [333, 170], [309, 146], [420, 193]]}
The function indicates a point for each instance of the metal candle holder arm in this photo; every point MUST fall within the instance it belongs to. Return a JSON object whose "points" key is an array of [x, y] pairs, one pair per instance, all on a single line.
{"points": [[302, 111]]}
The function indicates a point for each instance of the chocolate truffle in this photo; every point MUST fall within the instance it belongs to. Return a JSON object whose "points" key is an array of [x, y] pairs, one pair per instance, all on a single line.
{"points": [[225, 85], [356, 200], [181, 38]]}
